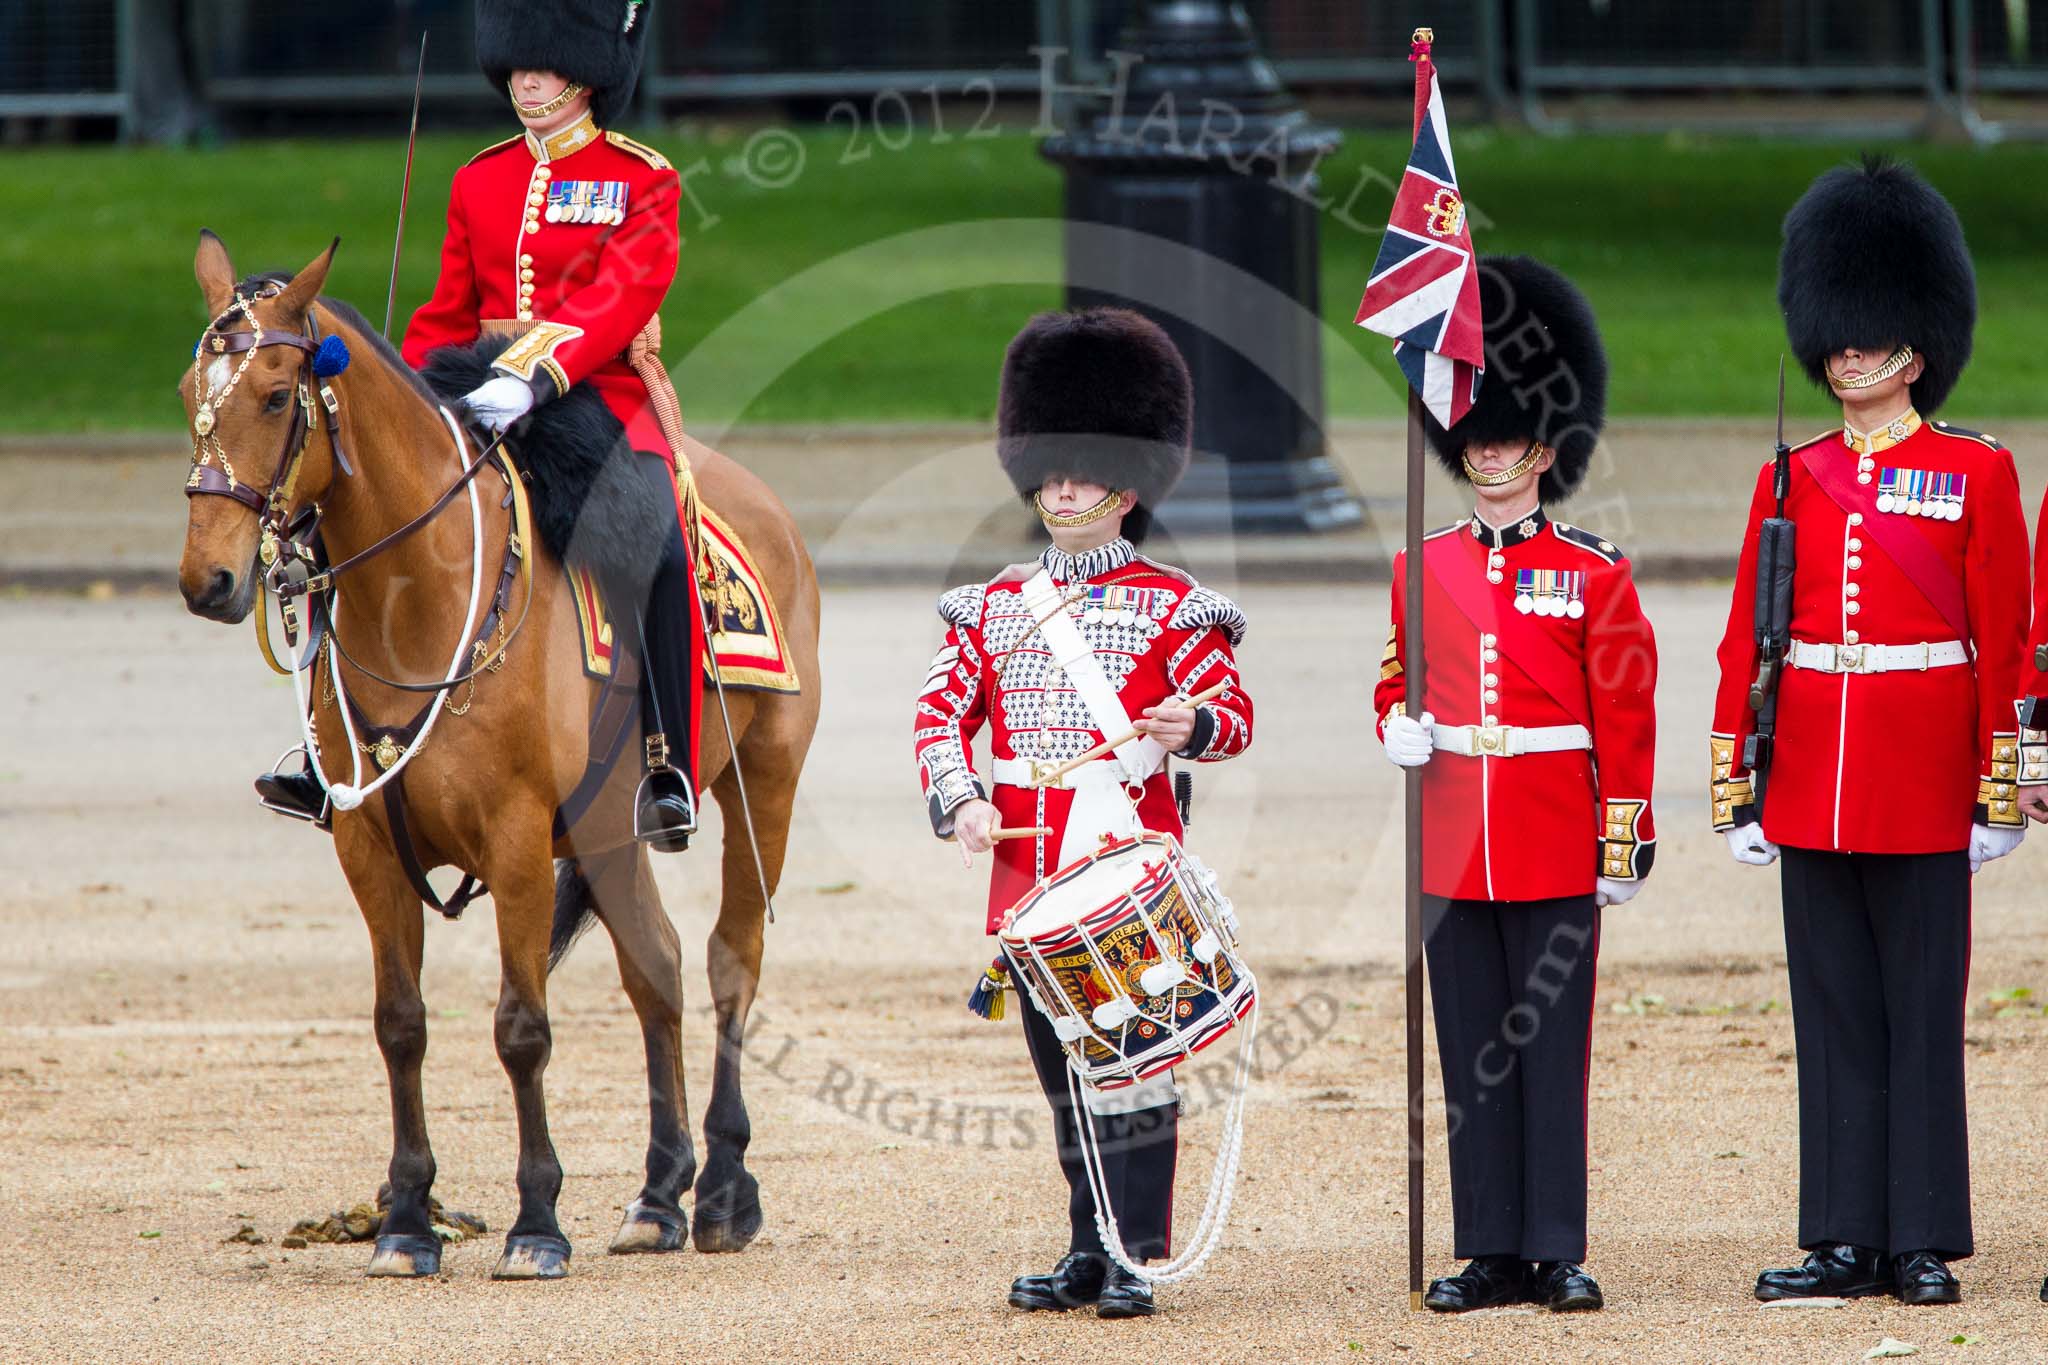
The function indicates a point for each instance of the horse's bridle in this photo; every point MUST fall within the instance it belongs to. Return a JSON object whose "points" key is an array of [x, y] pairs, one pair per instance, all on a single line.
{"points": [[285, 538], [272, 506]]}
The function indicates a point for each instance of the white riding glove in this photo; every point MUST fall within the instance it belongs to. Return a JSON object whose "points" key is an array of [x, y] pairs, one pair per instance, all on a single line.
{"points": [[1992, 841], [1407, 740], [1609, 892], [500, 402], [1748, 844]]}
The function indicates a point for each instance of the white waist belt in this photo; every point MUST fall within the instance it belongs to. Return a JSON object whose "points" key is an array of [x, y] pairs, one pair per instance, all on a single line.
{"points": [[1022, 772], [1508, 741], [1877, 658]]}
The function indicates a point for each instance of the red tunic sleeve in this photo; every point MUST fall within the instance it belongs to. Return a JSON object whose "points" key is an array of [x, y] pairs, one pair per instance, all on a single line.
{"points": [[452, 316], [1995, 585], [1621, 683], [1733, 786]]}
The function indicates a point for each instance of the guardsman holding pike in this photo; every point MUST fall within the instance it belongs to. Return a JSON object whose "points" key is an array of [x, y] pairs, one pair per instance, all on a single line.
{"points": [[1057, 658], [1539, 732], [1883, 775]]}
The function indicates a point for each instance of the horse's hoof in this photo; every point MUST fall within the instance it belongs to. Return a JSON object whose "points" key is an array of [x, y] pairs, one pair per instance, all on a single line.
{"points": [[533, 1258], [727, 1234], [647, 1229], [406, 1256]]}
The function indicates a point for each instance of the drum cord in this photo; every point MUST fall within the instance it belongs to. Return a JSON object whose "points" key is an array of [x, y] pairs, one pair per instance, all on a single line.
{"points": [[1208, 1230]]}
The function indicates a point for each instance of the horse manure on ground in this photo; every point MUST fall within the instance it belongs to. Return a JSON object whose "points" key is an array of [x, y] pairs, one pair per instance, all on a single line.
{"points": [[362, 1222]]}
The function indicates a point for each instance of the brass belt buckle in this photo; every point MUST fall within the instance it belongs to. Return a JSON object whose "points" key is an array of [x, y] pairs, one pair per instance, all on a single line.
{"points": [[1849, 658], [1489, 739], [1042, 770]]}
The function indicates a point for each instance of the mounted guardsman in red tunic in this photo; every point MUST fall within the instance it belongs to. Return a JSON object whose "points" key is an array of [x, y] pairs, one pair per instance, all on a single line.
{"points": [[1539, 731], [565, 240], [1056, 659], [1890, 778]]}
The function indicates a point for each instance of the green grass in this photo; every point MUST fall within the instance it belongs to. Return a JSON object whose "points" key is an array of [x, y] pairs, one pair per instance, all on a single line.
{"points": [[819, 305]]}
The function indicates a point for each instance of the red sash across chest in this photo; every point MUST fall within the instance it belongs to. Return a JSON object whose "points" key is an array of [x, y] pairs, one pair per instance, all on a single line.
{"points": [[1900, 539]]}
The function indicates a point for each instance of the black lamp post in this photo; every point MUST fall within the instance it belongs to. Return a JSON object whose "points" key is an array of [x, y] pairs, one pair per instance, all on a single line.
{"points": [[1189, 196]]}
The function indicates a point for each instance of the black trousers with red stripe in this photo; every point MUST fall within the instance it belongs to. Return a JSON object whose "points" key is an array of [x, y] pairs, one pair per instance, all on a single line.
{"points": [[1877, 946], [1139, 1151], [1511, 985]]}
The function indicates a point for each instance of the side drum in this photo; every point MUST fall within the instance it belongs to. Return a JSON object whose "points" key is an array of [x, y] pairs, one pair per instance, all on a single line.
{"points": [[1132, 953]]}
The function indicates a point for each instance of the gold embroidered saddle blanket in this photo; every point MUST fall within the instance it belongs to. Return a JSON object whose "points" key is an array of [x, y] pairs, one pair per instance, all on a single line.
{"points": [[746, 632]]}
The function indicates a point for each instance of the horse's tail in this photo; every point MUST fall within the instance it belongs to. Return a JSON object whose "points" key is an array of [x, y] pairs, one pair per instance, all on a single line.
{"points": [[575, 910]]}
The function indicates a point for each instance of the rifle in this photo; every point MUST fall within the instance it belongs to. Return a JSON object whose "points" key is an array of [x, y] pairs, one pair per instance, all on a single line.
{"points": [[1773, 618]]}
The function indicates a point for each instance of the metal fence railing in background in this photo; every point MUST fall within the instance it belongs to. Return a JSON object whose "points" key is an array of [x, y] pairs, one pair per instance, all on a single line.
{"points": [[64, 59], [1975, 66], [1890, 50], [1347, 46]]}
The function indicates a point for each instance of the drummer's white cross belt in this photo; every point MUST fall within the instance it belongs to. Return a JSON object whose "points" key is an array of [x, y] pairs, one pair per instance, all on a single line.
{"points": [[1877, 658], [1508, 741], [1100, 804]]}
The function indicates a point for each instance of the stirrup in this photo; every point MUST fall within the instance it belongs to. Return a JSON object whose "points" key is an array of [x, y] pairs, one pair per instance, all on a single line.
{"points": [[682, 789], [324, 819]]}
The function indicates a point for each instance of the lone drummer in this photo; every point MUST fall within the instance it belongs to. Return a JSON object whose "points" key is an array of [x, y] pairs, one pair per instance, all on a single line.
{"points": [[1094, 424]]}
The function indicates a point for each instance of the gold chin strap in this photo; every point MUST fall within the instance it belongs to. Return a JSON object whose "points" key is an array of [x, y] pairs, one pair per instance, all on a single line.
{"points": [[1898, 360], [1067, 521], [1536, 451], [569, 95]]}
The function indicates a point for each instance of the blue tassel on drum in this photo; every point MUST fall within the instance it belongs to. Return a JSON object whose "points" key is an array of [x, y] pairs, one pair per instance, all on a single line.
{"points": [[987, 999]]}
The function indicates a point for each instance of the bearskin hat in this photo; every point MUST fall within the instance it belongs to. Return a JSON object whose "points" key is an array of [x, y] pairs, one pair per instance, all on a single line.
{"points": [[597, 43], [1100, 394], [1546, 374], [1874, 257]]}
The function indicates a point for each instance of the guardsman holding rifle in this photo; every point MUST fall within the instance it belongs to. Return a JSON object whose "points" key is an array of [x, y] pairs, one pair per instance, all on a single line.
{"points": [[1891, 775], [1539, 728]]}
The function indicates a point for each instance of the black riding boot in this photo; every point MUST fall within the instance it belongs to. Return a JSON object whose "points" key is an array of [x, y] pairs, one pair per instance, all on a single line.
{"points": [[665, 811], [297, 794]]}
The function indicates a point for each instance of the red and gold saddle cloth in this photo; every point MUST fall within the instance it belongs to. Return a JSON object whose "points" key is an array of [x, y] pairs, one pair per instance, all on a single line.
{"points": [[746, 636]]}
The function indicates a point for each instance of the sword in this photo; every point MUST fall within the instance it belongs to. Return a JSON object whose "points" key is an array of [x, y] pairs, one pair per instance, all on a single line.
{"points": [[732, 747], [412, 141]]}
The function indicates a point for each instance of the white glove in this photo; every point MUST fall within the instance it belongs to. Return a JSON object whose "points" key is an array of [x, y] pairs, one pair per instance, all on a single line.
{"points": [[500, 402], [1407, 740], [1610, 892], [1988, 842], [1748, 844]]}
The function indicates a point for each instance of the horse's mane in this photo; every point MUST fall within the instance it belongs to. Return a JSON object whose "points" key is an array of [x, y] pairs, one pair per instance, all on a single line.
{"points": [[352, 318]]}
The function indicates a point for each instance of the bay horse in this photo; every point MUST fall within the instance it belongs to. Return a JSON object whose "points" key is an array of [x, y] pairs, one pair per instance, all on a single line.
{"points": [[482, 790]]}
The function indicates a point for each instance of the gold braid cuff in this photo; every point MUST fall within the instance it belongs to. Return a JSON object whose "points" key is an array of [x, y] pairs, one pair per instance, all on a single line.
{"points": [[1536, 451], [570, 93], [1898, 360], [1067, 521]]}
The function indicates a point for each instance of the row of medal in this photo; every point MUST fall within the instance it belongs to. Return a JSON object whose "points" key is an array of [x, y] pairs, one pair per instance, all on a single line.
{"points": [[587, 201], [1921, 493], [1112, 605], [1550, 592]]}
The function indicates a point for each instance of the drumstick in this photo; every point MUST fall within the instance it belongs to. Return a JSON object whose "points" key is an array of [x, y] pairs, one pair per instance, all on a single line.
{"points": [[1109, 745], [997, 836]]}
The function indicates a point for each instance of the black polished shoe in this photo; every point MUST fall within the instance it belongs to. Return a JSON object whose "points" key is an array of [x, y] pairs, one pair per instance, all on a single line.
{"points": [[1124, 1295], [1075, 1282], [665, 811], [1487, 1282], [1920, 1277], [1836, 1272], [297, 795], [2044, 1291], [1565, 1287]]}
